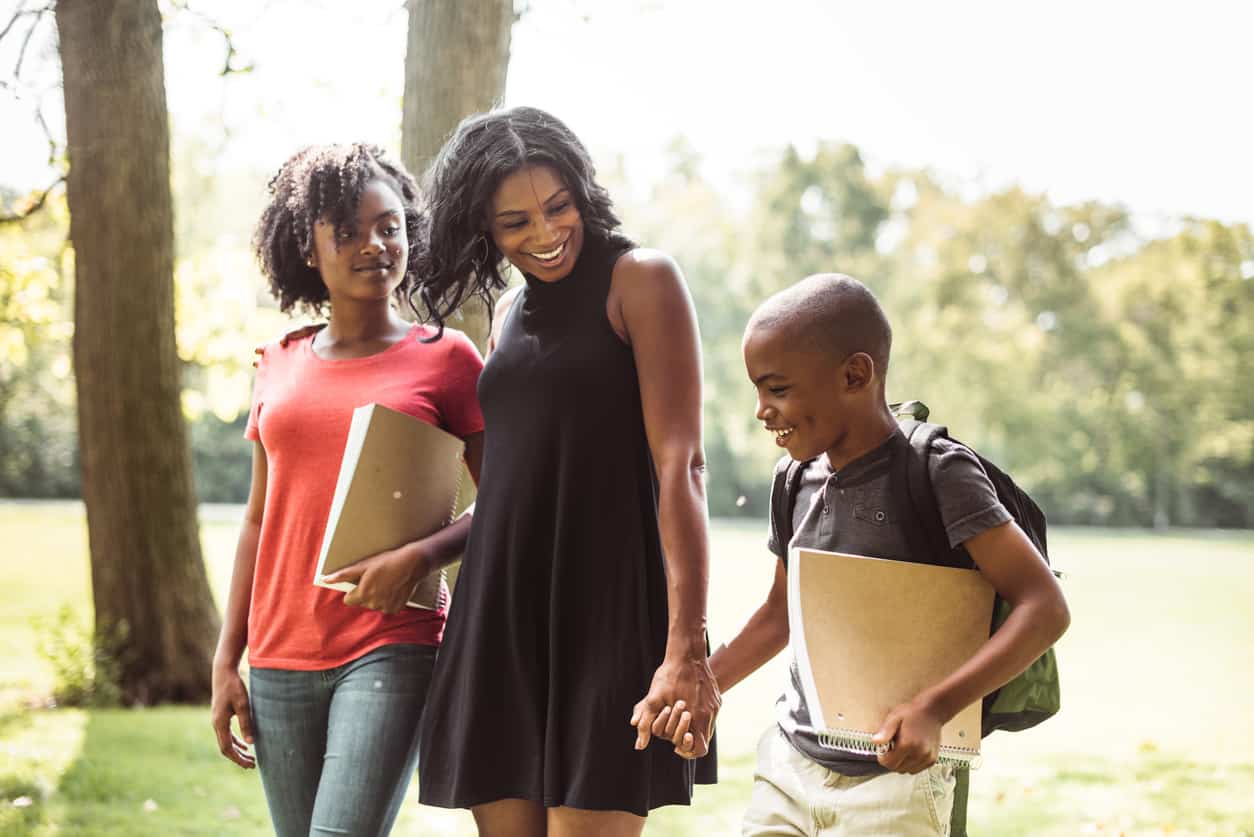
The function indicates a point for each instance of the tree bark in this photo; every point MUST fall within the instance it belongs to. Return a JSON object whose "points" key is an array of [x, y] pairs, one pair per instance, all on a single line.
{"points": [[456, 60], [148, 575]]}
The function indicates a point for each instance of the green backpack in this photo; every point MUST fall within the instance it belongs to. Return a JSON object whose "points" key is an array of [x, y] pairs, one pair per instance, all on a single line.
{"points": [[1035, 694]]}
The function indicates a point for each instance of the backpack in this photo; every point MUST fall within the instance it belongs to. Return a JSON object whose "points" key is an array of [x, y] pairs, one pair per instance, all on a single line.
{"points": [[1034, 694]]}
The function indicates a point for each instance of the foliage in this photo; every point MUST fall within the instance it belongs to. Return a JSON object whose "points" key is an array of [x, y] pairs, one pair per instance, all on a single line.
{"points": [[222, 458], [38, 451], [1107, 369], [85, 665], [222, 314], [1110, 372]]}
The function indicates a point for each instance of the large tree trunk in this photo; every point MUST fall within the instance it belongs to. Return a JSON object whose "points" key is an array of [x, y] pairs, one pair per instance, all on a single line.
{"points": [[455, 65], [147, 571]]}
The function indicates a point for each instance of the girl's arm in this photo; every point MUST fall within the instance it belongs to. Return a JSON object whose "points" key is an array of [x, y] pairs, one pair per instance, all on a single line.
{"points": [[385, 581], [230, 697], [651, 310]]}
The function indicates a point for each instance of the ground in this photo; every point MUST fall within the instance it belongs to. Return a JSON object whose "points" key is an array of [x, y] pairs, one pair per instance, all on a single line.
{"points": [[1156, 735]]}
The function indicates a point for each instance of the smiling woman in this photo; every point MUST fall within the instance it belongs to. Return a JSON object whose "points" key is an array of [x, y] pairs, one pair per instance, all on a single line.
{"points": [[580, 609], [534, 222]]}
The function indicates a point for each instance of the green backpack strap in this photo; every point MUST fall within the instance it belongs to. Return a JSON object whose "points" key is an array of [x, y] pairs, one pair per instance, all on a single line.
{"points": [[962, 792]]}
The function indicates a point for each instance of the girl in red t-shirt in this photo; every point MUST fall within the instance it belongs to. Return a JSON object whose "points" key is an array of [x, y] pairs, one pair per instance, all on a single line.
{"points": [[338, 681]]}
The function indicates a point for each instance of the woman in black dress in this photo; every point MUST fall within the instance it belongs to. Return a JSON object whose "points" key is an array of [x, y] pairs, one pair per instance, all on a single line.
{"points": [[580, 609]]}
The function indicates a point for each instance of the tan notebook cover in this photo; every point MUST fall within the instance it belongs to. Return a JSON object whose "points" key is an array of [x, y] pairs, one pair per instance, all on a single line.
{"points": [[869, 634], [398, 482]]}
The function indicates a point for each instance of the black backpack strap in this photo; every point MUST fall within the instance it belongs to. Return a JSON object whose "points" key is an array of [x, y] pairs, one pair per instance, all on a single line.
{"points": [[918, 509], [784, 490]]}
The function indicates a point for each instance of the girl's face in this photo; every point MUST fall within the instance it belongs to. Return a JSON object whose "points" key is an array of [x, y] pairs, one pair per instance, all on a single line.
{"points": [[535, 224], [365, 262]]}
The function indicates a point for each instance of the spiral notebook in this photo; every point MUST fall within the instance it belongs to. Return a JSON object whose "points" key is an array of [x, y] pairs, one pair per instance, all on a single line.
{"points": [[869, 634], [398, 482]]}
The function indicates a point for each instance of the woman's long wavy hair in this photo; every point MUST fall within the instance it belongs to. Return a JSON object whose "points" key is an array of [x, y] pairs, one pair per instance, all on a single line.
{"points": [[325, 182], [459, 260]]}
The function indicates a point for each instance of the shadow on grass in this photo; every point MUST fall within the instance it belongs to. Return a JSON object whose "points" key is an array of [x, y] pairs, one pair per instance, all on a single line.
{"points": [[118, 773], [137, 772]]}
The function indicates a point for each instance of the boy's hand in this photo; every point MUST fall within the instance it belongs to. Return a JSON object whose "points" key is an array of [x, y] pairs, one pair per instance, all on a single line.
{"points": [[912, 733], [673, 723]]}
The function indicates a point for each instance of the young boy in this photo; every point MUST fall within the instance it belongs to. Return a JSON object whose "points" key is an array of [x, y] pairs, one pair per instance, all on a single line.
{"points": [[818, 355]]}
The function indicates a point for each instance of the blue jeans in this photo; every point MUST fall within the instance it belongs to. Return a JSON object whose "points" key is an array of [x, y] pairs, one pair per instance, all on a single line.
{"points": [[337, 748]]}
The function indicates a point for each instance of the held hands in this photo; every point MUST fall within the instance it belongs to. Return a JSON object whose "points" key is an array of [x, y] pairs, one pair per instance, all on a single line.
{"points": [[673, 724], [230, 697], [911, 733], [384, 581], [681, 705]]}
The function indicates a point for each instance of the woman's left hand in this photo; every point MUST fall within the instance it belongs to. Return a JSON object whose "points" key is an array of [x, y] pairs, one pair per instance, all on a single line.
{"points": [[687, 680], [384, 581]]}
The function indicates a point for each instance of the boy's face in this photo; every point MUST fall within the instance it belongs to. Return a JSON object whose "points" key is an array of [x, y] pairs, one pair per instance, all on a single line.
{"points": [[806, 397]]}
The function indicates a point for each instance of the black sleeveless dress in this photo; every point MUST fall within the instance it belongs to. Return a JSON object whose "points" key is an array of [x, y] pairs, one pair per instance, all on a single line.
{"points": [[560, 614]]}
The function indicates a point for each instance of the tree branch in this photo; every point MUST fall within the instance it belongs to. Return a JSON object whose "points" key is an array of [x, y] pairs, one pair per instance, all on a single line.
{"points": [[54, 148], [33, 206], [21, 53], [29, 205], [19, 14], [228, 67]]}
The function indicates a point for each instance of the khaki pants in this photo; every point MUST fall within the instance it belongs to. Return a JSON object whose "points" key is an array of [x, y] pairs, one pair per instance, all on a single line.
{"points": [[793, 796]]}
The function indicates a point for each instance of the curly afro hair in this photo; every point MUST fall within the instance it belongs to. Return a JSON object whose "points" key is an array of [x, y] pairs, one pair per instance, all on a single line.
{"points": [[325, 182]]}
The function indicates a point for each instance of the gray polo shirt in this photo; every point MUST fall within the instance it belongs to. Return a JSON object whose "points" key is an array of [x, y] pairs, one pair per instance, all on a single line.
{"points": [[851, 511]]}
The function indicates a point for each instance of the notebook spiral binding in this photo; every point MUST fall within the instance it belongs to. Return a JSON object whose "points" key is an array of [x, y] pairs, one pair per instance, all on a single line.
{"points": [[452, 512], [853, 741]]}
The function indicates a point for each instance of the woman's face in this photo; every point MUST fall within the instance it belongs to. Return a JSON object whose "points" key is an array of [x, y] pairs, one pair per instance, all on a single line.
{"points": [[366, 261], [535, 224]]}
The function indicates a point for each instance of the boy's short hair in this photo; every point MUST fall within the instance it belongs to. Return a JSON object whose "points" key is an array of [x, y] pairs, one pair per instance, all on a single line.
{"points": [[832, 313]]}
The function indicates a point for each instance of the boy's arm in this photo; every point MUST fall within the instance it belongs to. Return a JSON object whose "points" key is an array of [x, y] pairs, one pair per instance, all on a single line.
{"points": [[1039, 617], [762, 637]]}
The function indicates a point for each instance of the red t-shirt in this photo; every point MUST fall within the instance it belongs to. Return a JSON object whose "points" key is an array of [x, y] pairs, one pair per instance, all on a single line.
{"points": [[302, 408]]}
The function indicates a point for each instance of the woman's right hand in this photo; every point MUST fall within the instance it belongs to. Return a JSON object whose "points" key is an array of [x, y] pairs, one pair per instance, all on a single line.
{"points": [[230, 698], [299, 333]]}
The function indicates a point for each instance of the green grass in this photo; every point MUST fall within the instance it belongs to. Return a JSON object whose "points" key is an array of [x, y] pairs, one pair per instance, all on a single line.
{"points": [[1156, 735]]}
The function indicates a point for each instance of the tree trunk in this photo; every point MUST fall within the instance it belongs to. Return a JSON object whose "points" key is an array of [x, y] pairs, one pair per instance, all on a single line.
{"points": [[148, 575], [455, 64]]}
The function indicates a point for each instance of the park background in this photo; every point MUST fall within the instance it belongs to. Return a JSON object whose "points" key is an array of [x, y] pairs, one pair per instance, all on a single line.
{"points": [[1054, 205]]}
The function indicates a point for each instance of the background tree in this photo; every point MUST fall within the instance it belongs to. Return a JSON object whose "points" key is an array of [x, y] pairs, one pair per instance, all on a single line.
{"points": [[456, 59], [148, 576]]}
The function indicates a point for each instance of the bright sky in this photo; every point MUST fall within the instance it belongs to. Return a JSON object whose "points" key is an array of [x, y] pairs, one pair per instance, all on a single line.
{"points": [[1141, 103]]}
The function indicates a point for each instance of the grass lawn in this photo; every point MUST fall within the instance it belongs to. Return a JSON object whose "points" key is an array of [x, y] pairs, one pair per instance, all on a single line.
{"points": [[1156, 735]]}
